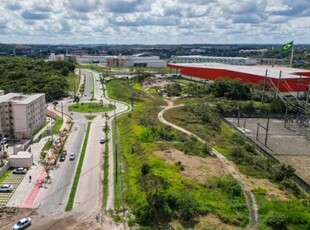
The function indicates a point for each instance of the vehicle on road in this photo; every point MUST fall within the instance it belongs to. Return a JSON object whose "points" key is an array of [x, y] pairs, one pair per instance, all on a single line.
{"points": [[22, 223], [20, 171], [6, 188], [72, 156], [62, 157], [102, 140], [4, 140]]}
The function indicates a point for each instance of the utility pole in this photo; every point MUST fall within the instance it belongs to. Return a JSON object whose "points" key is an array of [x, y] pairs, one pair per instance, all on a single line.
{"points": [[52, 132], [307, 98], [62, 111], [291, 60], [2, 149], [263, 94], [267, 130], [299, 84], [278, 86]]}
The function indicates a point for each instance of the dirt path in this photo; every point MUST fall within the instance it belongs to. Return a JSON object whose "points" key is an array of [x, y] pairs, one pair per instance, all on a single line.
{"points": [[249, 196]]}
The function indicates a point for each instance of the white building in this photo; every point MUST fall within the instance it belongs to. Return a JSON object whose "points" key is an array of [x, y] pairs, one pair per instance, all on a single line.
{"points": [[137, 60], [90, 59], [142, 60], [21, 115], [22, 159], [209, 59], [58, 57]]}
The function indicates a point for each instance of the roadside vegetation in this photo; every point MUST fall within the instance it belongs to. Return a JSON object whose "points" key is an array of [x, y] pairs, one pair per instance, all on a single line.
{"points": [[5, 175], [73, 82], [105, 190], [59, 122], [90, 107], [77, 175], [156, 191]]}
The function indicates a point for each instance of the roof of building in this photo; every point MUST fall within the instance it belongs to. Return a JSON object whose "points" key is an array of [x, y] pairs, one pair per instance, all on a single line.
{"points": [[22, 154], [272, 72], [19, 98], [214, 57], [30, 98]]}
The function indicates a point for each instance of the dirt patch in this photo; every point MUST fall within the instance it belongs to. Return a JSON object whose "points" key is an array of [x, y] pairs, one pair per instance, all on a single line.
{"points": [[9, 216], [197, 168], [272, 190], [209, 222], [152, 82]]}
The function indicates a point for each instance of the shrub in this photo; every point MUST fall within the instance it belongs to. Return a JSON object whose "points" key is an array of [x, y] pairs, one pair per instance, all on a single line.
{"points": [[277, 221], [131, 222], [281, 172]]}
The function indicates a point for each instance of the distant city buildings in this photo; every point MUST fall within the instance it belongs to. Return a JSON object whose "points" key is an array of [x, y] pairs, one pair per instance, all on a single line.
{"points": [[58, 57], [21, 115], [137, 60]]}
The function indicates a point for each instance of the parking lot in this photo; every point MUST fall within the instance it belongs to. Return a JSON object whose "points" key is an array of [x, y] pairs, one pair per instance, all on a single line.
{"points": [[13, 179]]}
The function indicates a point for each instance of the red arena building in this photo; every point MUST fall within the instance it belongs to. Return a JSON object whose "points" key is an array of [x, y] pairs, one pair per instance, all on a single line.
{"points": [[285, 80]]}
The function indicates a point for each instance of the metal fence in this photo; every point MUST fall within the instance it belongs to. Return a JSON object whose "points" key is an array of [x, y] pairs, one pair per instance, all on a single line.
{"points": [[267, 153]]}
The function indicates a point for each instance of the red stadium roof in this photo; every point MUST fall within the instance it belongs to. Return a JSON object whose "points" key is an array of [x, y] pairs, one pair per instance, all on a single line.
{"points": [[291, 79]]}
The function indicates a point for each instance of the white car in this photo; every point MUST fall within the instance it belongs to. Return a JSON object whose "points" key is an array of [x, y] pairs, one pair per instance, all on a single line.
{"points": [[102, 140], [72, 156], [21, 224], [20, 171], [6, 188], [4, 140]]}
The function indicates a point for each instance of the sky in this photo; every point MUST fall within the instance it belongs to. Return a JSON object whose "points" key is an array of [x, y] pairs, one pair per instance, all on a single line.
{"points": [[154, 21]]}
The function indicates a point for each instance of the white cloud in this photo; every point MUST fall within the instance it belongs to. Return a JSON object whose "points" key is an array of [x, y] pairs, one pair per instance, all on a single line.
{"points": [[153, 22]]}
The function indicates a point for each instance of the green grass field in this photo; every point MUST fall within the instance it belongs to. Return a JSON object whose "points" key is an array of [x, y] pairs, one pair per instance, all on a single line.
{"points": [[73, 81], [90, 107]]}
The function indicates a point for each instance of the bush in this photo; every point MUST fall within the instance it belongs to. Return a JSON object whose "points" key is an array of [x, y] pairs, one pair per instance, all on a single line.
{"points": [[131, 222], [281, 172], [277, 221]]}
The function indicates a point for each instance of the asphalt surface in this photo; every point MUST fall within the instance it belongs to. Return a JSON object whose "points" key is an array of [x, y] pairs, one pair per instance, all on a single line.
{"points": [[52, 197]]}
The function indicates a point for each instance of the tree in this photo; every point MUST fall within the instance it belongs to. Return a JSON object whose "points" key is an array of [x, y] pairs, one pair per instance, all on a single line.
{"points": [[104, 75], [231, 89], [173, 89]]}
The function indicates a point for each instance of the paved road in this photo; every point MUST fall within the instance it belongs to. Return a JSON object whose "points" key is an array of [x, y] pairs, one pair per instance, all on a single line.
{"points": [[88, 85], [54, 199], [250, 199], [89, 191]]}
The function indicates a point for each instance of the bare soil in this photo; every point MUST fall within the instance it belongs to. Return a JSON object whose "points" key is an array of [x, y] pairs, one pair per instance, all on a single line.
{"points": [[208, 222], [195, 167], [272, 190], [9, 216]]}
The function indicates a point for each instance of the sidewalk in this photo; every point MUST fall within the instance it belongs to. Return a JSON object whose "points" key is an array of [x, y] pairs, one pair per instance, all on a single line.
{"points": [[19, 197], [27, 191]]}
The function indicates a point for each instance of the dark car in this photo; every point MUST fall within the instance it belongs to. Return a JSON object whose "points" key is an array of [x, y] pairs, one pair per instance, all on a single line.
{"points": [[62, 157]]}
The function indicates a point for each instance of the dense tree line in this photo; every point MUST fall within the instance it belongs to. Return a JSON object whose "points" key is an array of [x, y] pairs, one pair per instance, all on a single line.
{"points": [[27, 75]]}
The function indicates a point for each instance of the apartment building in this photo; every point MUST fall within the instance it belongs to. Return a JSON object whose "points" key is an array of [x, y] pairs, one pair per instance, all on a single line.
{"points": [[21, 115]]}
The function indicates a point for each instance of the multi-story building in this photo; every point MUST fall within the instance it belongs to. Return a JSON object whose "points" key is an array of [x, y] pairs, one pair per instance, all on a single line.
{"points": [[21, 115]]}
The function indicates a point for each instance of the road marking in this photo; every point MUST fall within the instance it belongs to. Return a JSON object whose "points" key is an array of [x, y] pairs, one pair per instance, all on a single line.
{"points": [[35, 191]]}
